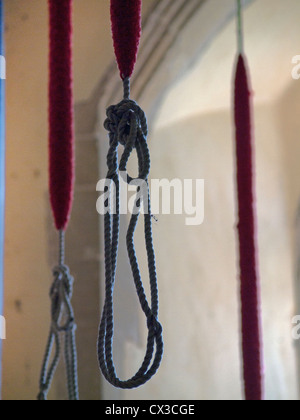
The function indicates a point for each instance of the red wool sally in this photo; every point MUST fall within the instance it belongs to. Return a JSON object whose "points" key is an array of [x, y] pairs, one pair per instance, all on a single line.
{"points": [[126, 30], [250, 289], [61, 131]]}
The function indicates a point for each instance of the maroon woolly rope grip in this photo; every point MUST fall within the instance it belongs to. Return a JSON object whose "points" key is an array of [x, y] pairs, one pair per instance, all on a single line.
{"points": [[250, 289], [61, 131], [126, 31]]}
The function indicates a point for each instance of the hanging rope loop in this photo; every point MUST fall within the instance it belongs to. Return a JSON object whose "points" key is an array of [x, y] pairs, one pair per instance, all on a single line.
{"points": [[126, 120], [127, 125], [62, 323]]}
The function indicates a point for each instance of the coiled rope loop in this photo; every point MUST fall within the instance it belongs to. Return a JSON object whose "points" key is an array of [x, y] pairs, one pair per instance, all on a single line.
{"points": [[127, 125]]}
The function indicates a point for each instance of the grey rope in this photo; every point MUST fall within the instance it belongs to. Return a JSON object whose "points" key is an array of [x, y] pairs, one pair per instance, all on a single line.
{"points": [[62, 321], [127, 125]]}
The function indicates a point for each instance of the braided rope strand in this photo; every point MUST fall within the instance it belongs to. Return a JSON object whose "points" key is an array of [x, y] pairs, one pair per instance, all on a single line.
{"points": [[127, 125], [62, 322]]}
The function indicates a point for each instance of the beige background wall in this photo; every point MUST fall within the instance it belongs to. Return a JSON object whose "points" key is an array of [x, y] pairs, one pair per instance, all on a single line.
{"points": [[199, 304]]}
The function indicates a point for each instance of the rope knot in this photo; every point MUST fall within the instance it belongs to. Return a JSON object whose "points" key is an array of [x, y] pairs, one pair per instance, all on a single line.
{"points": [[126, 122], [127, 125], [42, 396]]}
